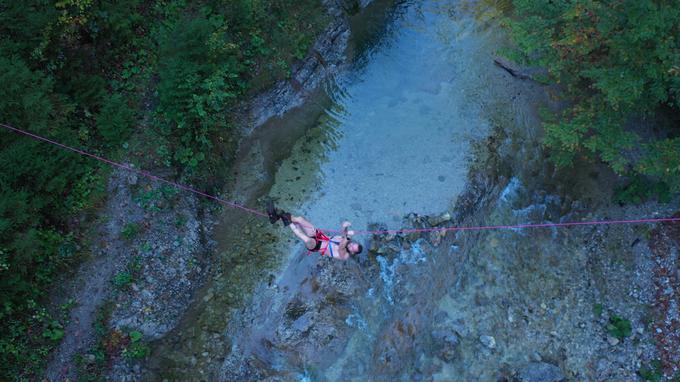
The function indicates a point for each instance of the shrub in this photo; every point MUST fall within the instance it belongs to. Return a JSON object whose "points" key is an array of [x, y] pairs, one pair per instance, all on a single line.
{"points": [[130, 231], [122, 279], [640, 189], [136, 349], [619, 327], [652, 372], [114, 121]]}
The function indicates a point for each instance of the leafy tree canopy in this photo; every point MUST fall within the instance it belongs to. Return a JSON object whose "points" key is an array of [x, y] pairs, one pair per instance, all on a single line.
{"points": [[619, 62]]}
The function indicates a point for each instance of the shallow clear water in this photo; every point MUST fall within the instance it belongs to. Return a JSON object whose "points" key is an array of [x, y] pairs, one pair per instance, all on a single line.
{"points": [[396, 138]]}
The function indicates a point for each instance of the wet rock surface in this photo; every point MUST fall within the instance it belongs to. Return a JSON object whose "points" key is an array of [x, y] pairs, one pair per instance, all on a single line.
{"points": [[552, 294], [398, 343], [307, 326]]}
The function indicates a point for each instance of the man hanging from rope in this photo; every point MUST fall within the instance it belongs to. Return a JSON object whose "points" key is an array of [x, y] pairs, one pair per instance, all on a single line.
{"points": [[340, 247]]}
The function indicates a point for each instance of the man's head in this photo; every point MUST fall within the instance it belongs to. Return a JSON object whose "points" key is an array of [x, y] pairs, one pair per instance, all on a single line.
{"points": [[354, 248]]}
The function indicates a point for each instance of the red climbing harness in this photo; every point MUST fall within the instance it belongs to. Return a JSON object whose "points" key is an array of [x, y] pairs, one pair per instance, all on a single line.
{"points": [[320, 238]]}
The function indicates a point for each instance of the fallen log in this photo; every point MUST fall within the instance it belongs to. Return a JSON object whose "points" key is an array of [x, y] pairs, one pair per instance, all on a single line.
{"points": [[511, 68]]}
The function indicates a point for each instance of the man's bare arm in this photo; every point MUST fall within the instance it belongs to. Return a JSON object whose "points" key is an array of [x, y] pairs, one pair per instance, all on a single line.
{"points": [[346, 232]]}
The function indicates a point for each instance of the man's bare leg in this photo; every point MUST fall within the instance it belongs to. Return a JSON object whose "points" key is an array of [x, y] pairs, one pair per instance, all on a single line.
{"points": [[303, 229], [310, 242], [306, 226]]}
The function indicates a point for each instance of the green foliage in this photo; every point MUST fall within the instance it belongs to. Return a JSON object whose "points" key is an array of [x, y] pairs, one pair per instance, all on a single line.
{"points": [[91, 365], [640, 189], [53, 82], [87, 191], [615, 60], [135, 336], [209, 55], [662, 161], [115, 120], [136, 349], [122, 279], [180, 221], [146, 247], [31, 350], [110, 344], [136, 264], [152, 199], [598, 309], [130, 231], [652, 373], [193, 88], [54, 331], [619, 327]]}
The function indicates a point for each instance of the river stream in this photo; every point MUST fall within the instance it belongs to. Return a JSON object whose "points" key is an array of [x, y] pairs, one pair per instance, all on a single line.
{"points": [[389, 136]]}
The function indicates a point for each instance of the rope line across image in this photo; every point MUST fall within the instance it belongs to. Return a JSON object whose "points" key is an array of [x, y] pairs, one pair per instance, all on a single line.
{"points": [[126, 167], [358, 232]]}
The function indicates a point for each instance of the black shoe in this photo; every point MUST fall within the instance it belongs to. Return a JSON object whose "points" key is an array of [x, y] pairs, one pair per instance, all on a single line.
{"points": [[285, 218], [272, 212]]}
